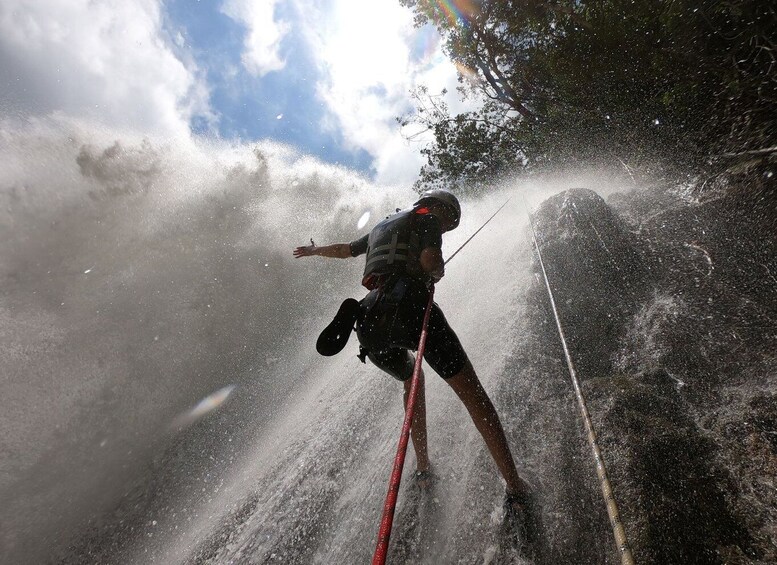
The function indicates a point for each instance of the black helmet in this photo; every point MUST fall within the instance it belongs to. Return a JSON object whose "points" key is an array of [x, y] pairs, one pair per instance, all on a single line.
{"points": [[445, 198]]}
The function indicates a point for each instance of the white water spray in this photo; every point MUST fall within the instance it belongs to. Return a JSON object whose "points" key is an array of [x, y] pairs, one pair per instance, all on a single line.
{"points": [[141, 276]]}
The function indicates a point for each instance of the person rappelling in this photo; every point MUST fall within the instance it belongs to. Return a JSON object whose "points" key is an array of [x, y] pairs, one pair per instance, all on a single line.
{"points": [[403, 260]]}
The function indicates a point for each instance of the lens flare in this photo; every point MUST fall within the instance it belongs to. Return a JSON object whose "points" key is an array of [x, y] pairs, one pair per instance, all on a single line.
{"points": [[203, 407], [363, 220], [425, 47], [458, 11], [467, 72]]}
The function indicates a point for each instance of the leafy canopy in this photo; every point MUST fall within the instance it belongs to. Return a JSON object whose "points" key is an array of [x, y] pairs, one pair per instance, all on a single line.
{"points": [[601, 80]]}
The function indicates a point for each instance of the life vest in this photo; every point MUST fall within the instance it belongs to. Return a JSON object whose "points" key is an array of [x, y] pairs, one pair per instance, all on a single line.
{"points": [[393, 247]]}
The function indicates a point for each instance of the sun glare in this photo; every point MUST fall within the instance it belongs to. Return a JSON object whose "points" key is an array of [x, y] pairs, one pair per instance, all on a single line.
{"points": [[367, 45]]}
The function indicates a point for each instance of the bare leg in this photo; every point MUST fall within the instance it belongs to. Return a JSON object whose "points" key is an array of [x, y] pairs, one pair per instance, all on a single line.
{"points": [[468, 388], [418, 427]]}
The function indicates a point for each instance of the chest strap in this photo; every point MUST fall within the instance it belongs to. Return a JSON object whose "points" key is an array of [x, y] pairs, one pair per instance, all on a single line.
{"points": [[391, 252]]}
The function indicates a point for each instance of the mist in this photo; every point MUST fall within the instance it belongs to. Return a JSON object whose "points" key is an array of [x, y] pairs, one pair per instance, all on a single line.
{"points": [[138, 277], [162, 398]]}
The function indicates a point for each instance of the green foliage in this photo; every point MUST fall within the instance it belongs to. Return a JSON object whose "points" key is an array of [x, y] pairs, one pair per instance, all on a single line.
{"points": [[469, 148], [583, 80]]}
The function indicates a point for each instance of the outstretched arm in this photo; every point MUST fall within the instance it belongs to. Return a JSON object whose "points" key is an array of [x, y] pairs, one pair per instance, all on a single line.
{"points": [[339, 250]]}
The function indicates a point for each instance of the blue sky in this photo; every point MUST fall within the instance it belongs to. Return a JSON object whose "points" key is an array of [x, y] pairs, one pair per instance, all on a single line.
{"points": [[327, 77], [281, 105]]}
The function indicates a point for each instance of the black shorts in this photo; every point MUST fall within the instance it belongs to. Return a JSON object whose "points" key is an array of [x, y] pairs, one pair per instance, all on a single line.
{"points": [[390, 326]]}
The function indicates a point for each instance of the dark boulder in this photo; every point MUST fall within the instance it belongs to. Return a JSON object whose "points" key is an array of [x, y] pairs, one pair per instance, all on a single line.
{"points": [[597, 276], [670, 323]]}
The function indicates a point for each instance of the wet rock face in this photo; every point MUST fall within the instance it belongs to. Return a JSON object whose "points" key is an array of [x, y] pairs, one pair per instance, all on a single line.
{"points": [[596, 275], [672, 495], [671, 324]]}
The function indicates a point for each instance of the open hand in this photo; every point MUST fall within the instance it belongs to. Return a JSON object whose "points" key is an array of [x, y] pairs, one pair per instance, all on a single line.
{"points": [[305, 251]]}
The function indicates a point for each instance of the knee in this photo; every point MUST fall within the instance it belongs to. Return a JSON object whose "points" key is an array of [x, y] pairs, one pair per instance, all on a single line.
{"points": [[465, 379]]}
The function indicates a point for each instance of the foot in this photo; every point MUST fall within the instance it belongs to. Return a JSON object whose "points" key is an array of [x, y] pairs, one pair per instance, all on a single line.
{"points": [[423, 479], [334, 337], [518, 505], [523, 517]]}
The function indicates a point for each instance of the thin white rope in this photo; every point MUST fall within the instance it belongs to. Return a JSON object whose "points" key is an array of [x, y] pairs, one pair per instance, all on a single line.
{"points": [[601, 470]]}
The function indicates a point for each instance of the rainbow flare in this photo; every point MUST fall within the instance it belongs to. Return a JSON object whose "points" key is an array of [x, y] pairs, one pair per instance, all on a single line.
{"points": [[458, 11], [461, 12], [203, 407]]}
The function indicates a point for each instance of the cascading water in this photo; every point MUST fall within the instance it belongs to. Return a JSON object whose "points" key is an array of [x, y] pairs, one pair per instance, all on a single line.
{"points": [[141, 277]]}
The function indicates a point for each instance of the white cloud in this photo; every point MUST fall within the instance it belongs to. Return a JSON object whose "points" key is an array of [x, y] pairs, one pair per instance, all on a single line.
{"points": [[372, 57], [263, 40], [107, 61], [112, 62]]}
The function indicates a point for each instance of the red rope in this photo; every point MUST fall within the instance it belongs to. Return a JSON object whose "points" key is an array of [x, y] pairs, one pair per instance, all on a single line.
{"points": [[379, 558]]}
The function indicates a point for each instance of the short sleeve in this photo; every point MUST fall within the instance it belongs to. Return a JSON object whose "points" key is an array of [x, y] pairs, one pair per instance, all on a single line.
{"points": [[429, 231], [359, 246]]}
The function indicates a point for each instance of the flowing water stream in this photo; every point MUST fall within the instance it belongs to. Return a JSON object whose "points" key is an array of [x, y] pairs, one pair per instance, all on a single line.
{"points": [[162, 398]]}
